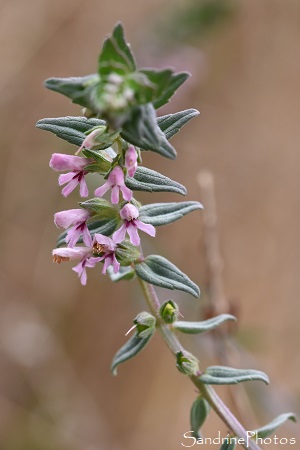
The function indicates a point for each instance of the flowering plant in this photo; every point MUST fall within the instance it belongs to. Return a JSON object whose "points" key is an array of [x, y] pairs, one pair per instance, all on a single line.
{"points": [[119, 123]]}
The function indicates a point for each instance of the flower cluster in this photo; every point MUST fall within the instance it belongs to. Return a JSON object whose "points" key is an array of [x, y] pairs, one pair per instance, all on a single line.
{"points": [[98, 247]]}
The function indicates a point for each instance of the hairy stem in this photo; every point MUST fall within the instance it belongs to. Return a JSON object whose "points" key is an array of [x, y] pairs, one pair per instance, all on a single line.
{"points": [[206, 390]]}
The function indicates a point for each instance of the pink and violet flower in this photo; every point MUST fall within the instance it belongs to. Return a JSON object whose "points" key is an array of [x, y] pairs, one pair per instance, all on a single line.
{"points": [[85, 254], [115, 182], [75, 165], [75, 218], [131, 160], [106, 247], [130, 213]]}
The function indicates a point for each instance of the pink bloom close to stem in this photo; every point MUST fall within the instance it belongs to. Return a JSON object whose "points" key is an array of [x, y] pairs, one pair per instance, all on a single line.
{"points": [[90, 140], [115, 181], [77, 218], [131, 160], [75, 165], [107, 246], [129, 213], [85, 254]]}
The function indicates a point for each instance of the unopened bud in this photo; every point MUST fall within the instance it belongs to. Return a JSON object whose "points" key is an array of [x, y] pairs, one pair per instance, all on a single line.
{"points": [[187, 363], [145, 324], [169, 311]]}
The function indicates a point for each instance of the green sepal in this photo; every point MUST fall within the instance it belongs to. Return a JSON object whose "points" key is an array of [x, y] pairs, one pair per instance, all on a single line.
{"points": [[202, 327], [102, 161], [79, 89], [141, 129], [103, 226], [187, 363], [199, 412], [159, 271], [127, 253], [172, 123], [169, 311], [270, 428], [125, 273], [228, 445], [150, 181], [145, 324], [116, 55], [158, 214], [137, 342], [101, 208], [229, 375], [166, 83]]}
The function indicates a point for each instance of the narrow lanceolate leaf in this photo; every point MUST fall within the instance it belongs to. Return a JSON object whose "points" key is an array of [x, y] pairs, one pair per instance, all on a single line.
{"points": [[166, 82], [158, 214], [71, 129], [159, 271], [150, 181], [125, 273], [172, 123], [202, 327], [271, 427], [199, 412], [78, 89], [104, 226], [142, 130], [229, 375], [132, 347], [116, 55]]}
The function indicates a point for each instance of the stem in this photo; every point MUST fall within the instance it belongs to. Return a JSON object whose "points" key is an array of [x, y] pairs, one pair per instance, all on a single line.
{"points": [[206, 390]]}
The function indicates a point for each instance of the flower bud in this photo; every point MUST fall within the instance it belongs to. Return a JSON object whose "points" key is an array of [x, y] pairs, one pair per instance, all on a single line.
{"points": [[145, 324], [101, 208], [169, 311], [187, 363], [127, 253]]}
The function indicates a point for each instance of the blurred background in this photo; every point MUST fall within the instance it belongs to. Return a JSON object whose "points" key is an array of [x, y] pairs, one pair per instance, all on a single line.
{"points": [[57, 338]]}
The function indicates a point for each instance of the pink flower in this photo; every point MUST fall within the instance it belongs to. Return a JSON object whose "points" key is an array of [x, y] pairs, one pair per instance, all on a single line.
{"points": [[90, 140], [77, 218], [131, 160], [82, 253], [115, 181], [75, 165], [107, 246], [129, 213]]}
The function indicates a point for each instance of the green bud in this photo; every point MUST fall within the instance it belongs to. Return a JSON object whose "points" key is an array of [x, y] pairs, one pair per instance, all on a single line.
{"points": [[187, 363], [169, 311], [101, 208], [145, 324], [127, 253]]}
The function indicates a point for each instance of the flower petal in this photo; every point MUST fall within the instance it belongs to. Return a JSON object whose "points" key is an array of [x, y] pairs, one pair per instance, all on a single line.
{"points": [[61, 162], [115, 195], [120, 234], [145, 227], [69, 217], [133, 234], [100, 191]]}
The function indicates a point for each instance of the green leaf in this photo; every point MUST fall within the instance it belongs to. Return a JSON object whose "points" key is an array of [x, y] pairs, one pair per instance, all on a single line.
{"points": [[229, 375], [158, 214], [172, 123], [150, 181], [159, 271], [79, 89], [71, 129], [116, 55], [101, 208], [104, 226], [199, 412], [132, 347], [271, 427], [202, 327], [125, 273], [142, 130], [166, 83]]}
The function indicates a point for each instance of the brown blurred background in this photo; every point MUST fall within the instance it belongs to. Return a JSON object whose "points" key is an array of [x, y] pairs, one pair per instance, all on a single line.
{"points": [[57, 338]]}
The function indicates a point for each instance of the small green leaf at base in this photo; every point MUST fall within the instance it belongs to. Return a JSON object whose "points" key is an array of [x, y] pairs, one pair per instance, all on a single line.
{"points": [[199, 412], [229, 375], [150, 181], [125, 273], [270, 428], [202, 327], [159, 271]]}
